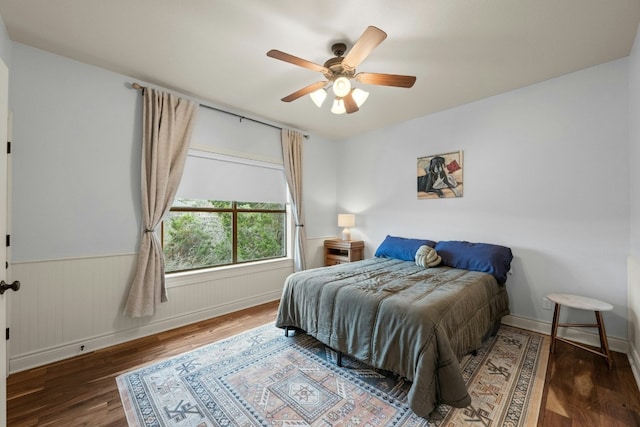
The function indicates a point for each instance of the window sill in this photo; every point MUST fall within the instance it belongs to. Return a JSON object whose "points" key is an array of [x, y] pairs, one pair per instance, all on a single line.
{"points": [[217, 273]]}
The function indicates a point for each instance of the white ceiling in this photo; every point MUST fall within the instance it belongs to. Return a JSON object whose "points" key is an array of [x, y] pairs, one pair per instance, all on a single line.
{"points": [[215, 50]]}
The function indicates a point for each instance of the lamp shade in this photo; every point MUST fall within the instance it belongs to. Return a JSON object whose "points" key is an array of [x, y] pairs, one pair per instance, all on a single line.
{"points": [[359, 96], [346, 220], [318, 96], [338, 107]]}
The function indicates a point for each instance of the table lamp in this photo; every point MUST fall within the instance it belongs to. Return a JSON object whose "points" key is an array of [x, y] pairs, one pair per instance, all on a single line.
{"points": [[346, 221]]}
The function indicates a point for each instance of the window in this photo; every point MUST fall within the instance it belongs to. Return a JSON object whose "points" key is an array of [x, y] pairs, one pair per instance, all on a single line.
{"points": [[230, 206], [207, 233]]}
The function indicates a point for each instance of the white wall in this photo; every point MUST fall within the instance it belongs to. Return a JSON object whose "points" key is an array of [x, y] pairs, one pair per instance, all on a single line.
{"points": [[634, 160], [545, 173], [5, 45], [320, 176], [76, 216], [634, 142], [76, 159]]}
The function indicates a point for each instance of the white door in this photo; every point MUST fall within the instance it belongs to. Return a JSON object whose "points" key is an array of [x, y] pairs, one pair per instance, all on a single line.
{"points": [[4, 91]]}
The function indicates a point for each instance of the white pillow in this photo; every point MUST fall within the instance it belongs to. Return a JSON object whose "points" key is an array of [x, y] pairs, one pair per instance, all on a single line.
{"points": [[427, 257]]}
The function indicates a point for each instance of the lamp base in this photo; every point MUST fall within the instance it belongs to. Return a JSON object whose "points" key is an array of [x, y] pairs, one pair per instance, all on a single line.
{"points": [[346, 234]]}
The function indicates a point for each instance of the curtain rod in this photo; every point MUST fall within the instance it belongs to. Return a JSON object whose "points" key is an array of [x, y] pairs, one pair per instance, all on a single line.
{"points": [[141, 88]]}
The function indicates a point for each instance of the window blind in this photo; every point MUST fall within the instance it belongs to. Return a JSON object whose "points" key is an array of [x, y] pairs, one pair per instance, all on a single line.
{"points": [[214, 176], [234, 160]]}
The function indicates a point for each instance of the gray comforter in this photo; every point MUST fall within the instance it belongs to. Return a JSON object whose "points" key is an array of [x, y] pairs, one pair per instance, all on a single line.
{"points": [[394, 315]]}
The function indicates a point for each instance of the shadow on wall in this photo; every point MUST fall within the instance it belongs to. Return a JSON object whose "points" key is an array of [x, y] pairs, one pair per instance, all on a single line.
{"points": [[314, 254], [535, 274], [633, 310]]}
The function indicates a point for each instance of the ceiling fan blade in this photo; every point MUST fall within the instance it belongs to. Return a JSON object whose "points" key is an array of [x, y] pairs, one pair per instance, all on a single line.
{"points": [[305, 90], [386, 79], [350, 104], [368, 41], [273, 53]]}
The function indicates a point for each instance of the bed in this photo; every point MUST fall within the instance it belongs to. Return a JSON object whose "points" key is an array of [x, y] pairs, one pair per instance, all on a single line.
{"points": [[414, 320]]}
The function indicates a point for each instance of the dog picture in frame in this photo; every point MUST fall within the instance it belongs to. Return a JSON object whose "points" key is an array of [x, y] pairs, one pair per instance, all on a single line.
{"points": [[440, 176]]}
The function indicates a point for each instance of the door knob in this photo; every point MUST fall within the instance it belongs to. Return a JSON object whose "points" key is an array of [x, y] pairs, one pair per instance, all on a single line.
{"points": [[5, 287]]}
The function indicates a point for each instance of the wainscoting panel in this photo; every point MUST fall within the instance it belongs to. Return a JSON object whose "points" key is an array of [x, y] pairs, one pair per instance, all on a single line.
{"points": [[67, 307], [315, 251], [633, 312]]}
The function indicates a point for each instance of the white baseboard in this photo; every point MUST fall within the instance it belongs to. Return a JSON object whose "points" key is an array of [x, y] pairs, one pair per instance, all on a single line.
{"points": [[579, 335], [57, 353], [634, 361]]}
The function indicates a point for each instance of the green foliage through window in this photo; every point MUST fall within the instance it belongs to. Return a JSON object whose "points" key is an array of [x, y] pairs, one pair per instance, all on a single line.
{"points": [[201, 233]]}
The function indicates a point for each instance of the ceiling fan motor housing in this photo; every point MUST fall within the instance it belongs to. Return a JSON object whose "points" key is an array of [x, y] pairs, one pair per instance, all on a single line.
{"points": [[334, 65]]}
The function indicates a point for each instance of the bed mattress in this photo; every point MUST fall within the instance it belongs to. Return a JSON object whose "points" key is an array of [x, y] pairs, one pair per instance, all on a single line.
{"points": [[393, 315]]}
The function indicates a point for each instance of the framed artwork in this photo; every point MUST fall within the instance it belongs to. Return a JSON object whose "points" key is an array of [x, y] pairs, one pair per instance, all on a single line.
{"points": [[440, 176]]}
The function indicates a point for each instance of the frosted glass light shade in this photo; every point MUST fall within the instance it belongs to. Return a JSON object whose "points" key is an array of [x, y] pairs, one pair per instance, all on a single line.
{"points": [[359, 96], [338, 107], [318, 97], [341, 86]]}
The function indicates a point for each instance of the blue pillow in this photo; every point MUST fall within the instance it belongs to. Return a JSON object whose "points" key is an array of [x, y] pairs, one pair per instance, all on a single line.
{"points": [[401, 247], [485, 257]]}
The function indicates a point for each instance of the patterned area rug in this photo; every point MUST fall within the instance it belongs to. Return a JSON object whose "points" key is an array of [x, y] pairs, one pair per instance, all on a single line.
{"points": [[262, 378]]}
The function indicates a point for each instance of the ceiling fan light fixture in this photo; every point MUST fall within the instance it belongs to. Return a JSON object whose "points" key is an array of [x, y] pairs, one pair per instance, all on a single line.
{"points": [[318, 97], [341, 86], [340, 70], [338, 106], [360, 96]]}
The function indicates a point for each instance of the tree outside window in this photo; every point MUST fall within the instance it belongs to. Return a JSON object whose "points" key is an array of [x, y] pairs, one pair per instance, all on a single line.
{"points": [[201, 234]]}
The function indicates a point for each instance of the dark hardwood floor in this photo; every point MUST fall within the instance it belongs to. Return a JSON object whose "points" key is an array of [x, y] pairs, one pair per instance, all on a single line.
{"points": [[579, 389]]}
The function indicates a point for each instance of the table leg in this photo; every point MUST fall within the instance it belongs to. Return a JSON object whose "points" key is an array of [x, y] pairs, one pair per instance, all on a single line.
{"points": [[554, 327], [604, 345]]}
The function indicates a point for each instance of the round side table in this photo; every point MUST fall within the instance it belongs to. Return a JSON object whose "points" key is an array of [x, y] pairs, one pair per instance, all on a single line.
{"points": [[581, 303]]}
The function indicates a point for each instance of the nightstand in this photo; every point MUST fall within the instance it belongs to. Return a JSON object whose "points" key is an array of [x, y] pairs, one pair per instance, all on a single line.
{"points": [[338, 251]]}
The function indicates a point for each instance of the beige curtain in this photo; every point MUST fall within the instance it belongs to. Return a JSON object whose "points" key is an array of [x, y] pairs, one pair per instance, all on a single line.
{"points": [[166, 132], [292, 154]]}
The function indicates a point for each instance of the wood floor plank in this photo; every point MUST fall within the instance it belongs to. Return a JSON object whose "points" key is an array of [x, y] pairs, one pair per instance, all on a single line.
{"points": [[82, 391], [553, 419], [580, 390]]}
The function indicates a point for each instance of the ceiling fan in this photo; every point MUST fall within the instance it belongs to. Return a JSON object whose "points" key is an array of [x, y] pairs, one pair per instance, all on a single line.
{"points": [[340, 70]]}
